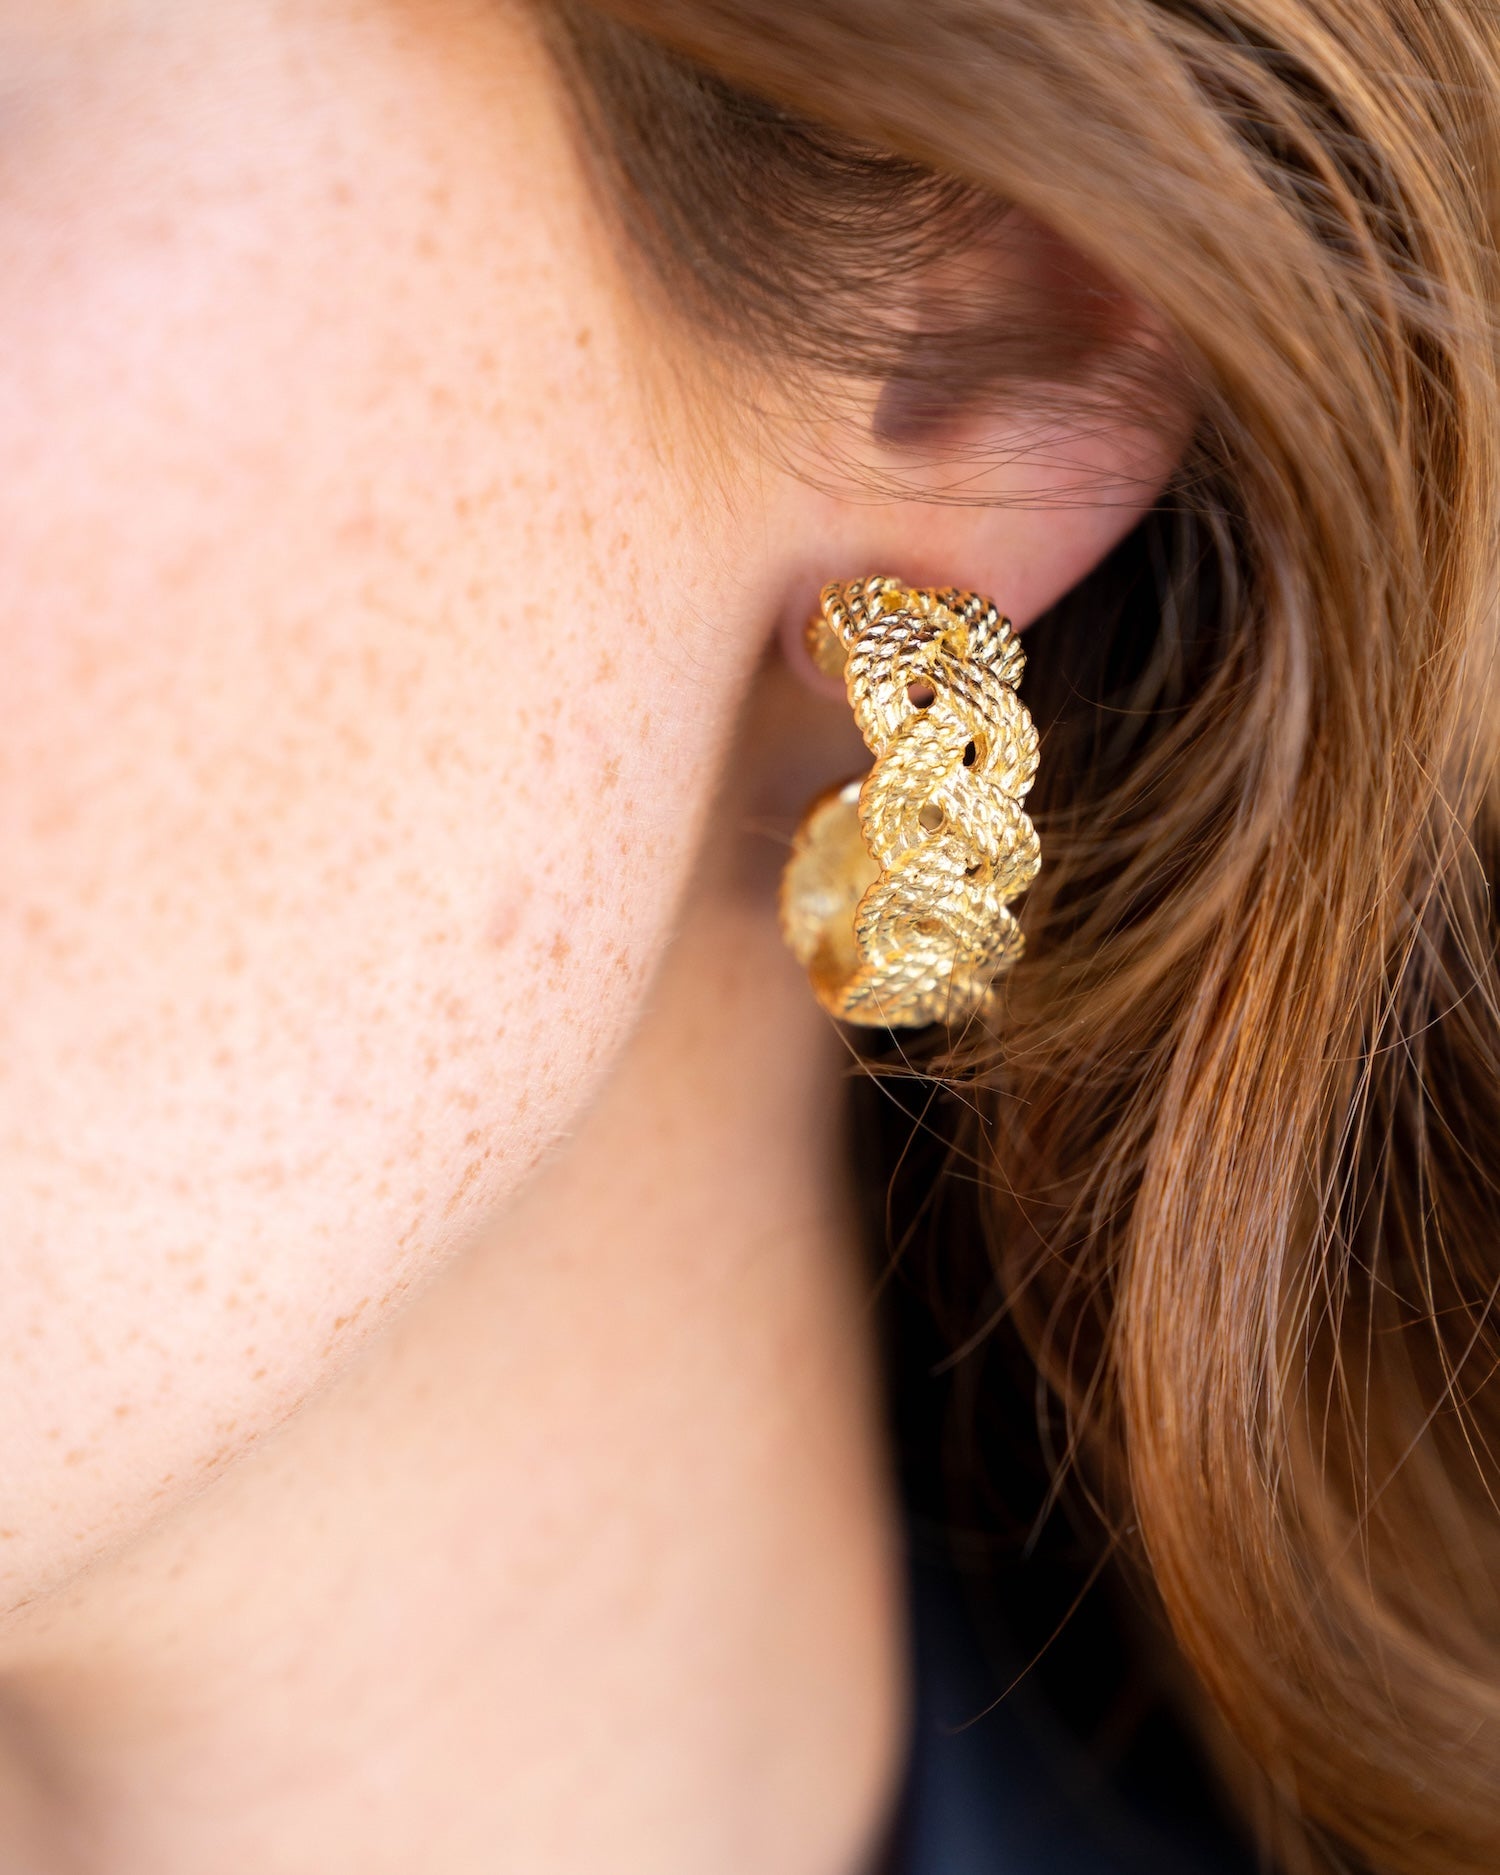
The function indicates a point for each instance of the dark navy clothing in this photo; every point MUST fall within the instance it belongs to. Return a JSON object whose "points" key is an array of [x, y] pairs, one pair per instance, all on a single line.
{"points": [[995, 1785]]}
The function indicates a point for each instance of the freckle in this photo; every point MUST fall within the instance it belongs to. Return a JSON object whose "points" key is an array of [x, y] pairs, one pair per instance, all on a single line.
{"points": [[73, 1458], [611, 773], [122, 1412], [505, 920], [583, 338], [471, 1172], [259, 1374], [561, 949]]}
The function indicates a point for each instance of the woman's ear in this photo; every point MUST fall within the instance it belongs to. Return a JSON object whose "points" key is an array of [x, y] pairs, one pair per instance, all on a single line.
{"points": [[966, 465]]}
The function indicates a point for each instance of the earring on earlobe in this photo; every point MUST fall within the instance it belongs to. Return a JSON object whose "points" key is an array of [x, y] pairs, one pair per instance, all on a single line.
{"points": [[895, 896]]}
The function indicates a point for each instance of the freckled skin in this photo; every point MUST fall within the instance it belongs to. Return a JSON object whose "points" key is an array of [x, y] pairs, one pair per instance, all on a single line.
{"points": [[374, 624], [304, 727]]}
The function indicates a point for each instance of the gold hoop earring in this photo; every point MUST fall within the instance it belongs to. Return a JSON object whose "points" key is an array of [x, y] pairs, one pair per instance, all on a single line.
{"points": [[895, 897]]}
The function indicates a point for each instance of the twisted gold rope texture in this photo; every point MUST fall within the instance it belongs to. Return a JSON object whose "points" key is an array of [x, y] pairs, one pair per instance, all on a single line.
{"points": [[895, 896]]}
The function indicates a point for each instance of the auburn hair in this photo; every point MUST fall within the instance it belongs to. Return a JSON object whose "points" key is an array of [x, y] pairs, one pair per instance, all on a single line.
{"points": [[1234, 1155]]}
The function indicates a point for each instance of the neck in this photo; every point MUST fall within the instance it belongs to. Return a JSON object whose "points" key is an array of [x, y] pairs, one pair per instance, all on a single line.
{"points": [[585, 1562]]}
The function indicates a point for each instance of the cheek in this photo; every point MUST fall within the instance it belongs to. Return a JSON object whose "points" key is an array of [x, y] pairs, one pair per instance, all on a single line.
{"points": [[339, 809]]}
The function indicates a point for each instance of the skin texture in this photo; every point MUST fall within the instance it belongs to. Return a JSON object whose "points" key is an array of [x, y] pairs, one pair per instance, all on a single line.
{"points": [[434, 1363]]}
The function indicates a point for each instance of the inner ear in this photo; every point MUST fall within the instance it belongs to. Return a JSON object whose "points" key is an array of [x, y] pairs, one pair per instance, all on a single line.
{"points": [[1006, 307]]}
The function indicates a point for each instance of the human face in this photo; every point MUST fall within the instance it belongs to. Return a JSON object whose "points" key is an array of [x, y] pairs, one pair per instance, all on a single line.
{"points": [[367, 653], [379, 583]]}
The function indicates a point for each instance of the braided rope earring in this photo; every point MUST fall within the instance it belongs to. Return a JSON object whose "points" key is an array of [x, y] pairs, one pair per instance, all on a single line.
{"points": [[895, 897]]}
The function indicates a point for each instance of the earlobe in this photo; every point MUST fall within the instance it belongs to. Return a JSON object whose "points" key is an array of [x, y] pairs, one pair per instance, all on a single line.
{"points": [[1022, 505]]}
